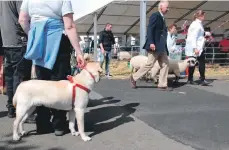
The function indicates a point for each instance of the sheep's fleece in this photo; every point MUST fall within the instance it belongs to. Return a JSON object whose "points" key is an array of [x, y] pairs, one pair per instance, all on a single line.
{"points": [[175, 66], [123, 55]]}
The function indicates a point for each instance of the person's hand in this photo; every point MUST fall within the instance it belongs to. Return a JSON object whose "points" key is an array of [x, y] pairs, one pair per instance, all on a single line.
{"points": [[152, 47], [80, 61], [196, 51], [173, 50], [103, 51]]}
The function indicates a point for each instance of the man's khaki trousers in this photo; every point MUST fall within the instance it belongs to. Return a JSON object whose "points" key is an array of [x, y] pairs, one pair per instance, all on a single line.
{"points": [[164, 67]]}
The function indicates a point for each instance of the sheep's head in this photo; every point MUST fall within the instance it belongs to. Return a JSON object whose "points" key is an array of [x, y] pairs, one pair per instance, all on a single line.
{"points": [[191, 61]]}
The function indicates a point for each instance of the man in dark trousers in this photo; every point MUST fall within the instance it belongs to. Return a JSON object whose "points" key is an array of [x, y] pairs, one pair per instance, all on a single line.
{"points": [[157, 47], [14, 44]]}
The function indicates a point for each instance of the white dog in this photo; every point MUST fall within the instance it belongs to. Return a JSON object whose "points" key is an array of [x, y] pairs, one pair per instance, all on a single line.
{"points": [[72, 96]]}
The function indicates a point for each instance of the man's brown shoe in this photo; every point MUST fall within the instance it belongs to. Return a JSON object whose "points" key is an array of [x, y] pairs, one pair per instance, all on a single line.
{"points": [[165, 88], [133, 82]]}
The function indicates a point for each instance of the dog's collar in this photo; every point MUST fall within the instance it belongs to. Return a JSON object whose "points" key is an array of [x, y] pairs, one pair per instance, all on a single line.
{"points": [[70, 78], [92, 76], [84, 68]]}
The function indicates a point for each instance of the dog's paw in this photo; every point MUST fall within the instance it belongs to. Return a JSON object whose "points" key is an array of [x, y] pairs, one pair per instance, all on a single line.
{"points": [[75, 133], [23, 133], [86, 138], [16, 137]]}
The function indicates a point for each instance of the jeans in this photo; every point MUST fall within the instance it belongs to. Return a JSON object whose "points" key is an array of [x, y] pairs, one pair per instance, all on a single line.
{"points": [[16, 70], [201, 60], [107, 62]]}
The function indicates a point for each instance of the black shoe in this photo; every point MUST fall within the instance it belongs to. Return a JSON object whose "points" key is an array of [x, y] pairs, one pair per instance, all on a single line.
{"points": [[11, 112], [31, 119], [59, 132], [191, 82], [62, 128], [44, 128], [165, 88], [109, 75], [204, 83]]}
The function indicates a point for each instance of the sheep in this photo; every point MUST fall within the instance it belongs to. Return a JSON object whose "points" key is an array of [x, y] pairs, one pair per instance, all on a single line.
{"points": [[123, 55], [175, 66], [138, 61]]}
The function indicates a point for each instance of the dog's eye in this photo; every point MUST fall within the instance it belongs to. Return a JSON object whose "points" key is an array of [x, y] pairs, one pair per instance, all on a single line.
{"points": [[189, 61]]}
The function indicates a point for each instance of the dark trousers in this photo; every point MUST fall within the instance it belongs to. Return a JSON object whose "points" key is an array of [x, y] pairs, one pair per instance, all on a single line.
{"points": [[16, 70], [201, 62], [60, 71]]}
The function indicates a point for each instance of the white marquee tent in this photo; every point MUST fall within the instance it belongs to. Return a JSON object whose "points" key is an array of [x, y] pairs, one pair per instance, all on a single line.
{"points": [[125, 15]]}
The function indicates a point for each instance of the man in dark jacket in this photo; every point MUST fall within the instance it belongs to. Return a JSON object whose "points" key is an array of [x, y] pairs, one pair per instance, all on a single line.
{"points": [[106, 40], [156, 46], [14, 44]]}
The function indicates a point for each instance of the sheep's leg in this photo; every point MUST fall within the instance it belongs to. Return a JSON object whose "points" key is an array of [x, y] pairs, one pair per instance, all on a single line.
{"points": [[176, 80], [177, 74]]}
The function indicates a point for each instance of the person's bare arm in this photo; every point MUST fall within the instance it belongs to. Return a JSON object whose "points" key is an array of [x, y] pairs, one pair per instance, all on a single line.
{"points": [[24, 21], [70, 29]]}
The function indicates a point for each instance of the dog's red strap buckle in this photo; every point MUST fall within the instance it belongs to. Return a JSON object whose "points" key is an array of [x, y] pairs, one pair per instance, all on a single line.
{"points": [[70, 78]]}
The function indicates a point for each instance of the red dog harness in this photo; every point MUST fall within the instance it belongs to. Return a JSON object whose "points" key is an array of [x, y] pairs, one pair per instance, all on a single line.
{"points": [[70, 78]]}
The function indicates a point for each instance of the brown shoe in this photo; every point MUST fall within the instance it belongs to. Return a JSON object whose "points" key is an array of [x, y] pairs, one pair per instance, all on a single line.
{"points": [[133, 82], [165, 88]]}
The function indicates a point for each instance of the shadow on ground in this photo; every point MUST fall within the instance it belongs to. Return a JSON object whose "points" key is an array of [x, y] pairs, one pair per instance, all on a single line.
{"points": [[11, 145], [107, 118], [3, 114], [173, 84], [103, 116], [102, 101]]}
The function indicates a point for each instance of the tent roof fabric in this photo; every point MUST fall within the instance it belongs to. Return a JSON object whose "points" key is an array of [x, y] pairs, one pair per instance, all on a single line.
{"points": [[125, 15]]}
